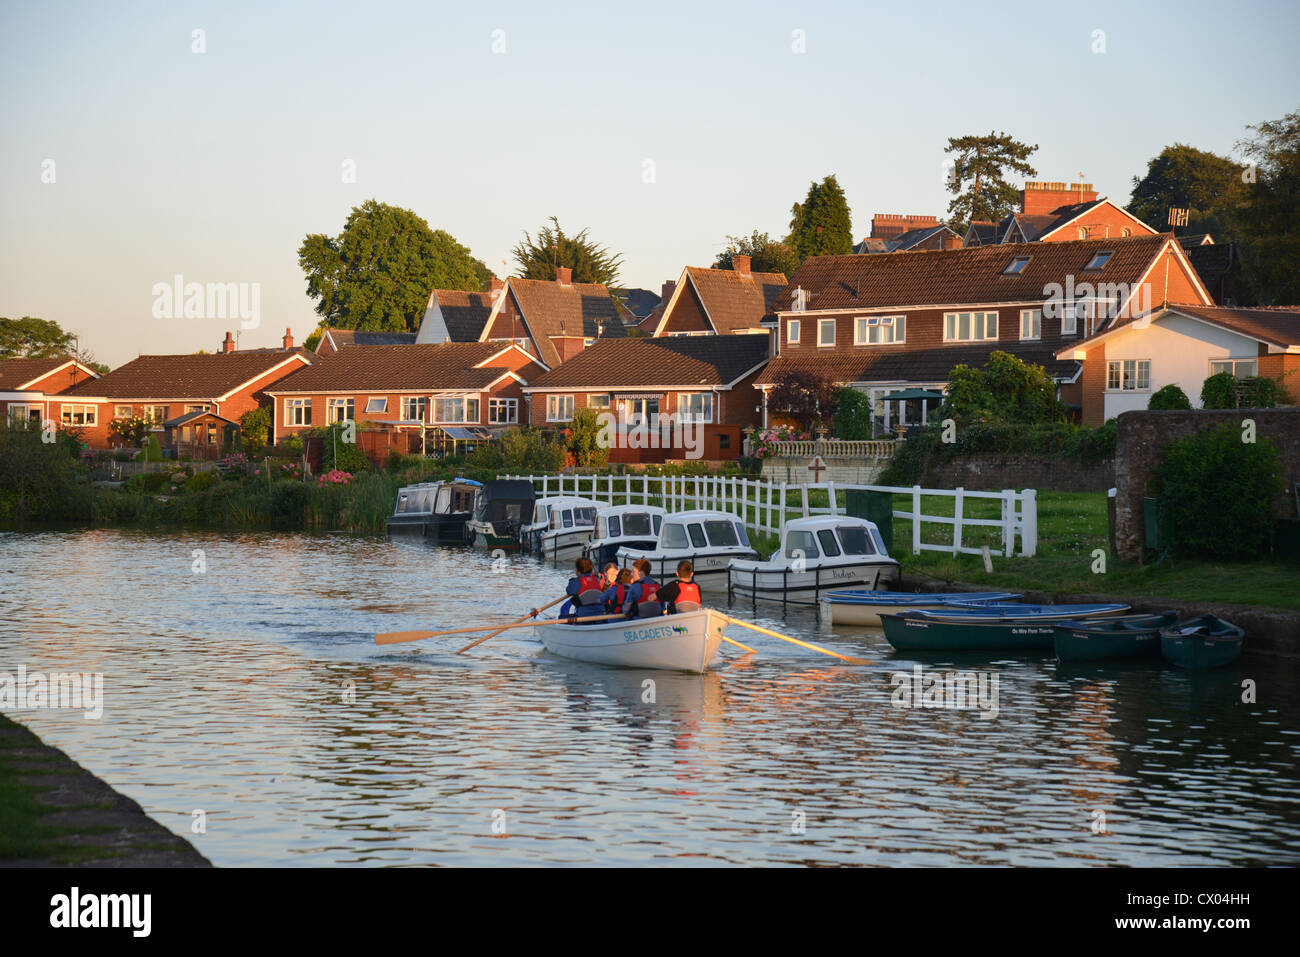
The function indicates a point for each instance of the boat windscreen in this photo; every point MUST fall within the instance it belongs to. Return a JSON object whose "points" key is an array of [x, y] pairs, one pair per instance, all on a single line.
{"points": [[830, 547], [634, 523], [801, 545], [613, 528], [442, 505], [744, 535], [674, 535], [721, 534], [697, 535], [880, 542], [855, 540], [584, 516]]}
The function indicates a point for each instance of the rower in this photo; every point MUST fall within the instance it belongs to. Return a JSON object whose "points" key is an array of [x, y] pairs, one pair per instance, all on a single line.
{"points": [[682, 594], [616, 593], [610, 574], [585, 591], [641, 597]]}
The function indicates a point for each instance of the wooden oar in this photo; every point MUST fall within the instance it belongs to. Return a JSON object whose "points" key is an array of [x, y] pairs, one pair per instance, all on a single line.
{"points": [[393, 637], [532, 614], [733, 641], [795, 641]]}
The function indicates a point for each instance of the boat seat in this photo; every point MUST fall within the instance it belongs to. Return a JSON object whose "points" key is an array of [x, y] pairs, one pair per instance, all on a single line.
{"points": [[649, 609], [685, 606]]}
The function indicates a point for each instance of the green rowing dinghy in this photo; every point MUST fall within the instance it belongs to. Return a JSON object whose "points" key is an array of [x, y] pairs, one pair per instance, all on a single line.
{"points": [[1118, 636], [987, 628], [1205, 642]]}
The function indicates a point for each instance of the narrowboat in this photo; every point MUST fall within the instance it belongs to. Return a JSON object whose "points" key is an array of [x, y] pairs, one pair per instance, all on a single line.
{"points": [[687, 641], [709, 540], [986, 627], [817, 554], [623, 526], [500, 509], [1204, 642], [1117, 636], [560, 526], [857, 606], [436, 511]]}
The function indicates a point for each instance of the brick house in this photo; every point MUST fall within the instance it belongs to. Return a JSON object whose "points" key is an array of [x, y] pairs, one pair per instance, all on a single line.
{"points": [[884, 324], [27, 387], [704, 380], [1182, 345], [720, 301], [455, 315], [1058, 212], [894, 232], [407, 388], [162, 388], [332, 340], [552, 321]]}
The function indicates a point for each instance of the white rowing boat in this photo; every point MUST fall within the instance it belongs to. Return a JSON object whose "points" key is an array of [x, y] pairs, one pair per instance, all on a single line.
{"points": [[682, 642]]}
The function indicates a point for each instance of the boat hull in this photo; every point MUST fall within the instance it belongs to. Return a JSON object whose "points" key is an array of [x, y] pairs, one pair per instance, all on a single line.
{"points": [[567, 544], [684, 642], [443, 530], [603, 554], [1128, 636], [486, 536], [1198, 652], [776, 585], [836, 610], [970, 629]]}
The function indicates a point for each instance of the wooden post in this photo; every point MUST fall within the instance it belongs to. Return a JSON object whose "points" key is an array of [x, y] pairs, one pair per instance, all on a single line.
{"points": [[804, 488], [916, 519], [830, 493], [780, 520], [1008, 522], [1029, 522], [957, 514]]}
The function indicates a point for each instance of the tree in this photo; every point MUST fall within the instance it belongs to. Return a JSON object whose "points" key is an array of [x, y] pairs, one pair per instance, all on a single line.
{"points": [[765, 254], [822, 224], [255, 427], [1268, 217], [376, 275], [810, 398], [853, 417], [1206, 184], [983, 162], [32, 338], [1005, 390], [537, 258], [131, 429]]}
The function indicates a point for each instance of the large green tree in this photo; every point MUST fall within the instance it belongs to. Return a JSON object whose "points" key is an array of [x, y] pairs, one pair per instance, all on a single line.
{"points": [[822, 225], [765, 254], [1268, 217], [1006, 389], [33, 338], [376, 275], [978, 178], [1206, 184], [538, 257]]}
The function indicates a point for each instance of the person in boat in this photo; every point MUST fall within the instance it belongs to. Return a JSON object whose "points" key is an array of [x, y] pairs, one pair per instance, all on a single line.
{"points": [[681, 594], [616, 594], [641, 599], [610, 573], [586, 591]]}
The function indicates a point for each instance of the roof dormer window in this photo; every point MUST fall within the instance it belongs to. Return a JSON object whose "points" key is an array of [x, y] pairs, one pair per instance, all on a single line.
{"points": [[1099, 260], [1017, 266]]}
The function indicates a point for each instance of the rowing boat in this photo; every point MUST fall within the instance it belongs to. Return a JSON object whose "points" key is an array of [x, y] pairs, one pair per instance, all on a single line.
{"points": [[1204, 642], [858, 606], [1120, 636], [985, 628], [683, 642]]}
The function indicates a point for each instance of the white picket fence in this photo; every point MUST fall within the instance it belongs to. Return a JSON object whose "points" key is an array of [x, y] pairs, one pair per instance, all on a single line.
{"points": [[765, 505]]}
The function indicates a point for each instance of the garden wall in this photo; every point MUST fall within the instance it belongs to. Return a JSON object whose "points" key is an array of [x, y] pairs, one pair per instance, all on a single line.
{"points": [[992, 473], [1140, 448]]}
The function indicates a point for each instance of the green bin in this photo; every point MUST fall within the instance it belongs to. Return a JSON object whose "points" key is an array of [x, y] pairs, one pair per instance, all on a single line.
{"points": [[875, 507], [1155, 520]]}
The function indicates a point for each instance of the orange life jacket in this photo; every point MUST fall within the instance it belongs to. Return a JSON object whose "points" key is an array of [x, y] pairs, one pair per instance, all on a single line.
{"points": [[688, 591]]}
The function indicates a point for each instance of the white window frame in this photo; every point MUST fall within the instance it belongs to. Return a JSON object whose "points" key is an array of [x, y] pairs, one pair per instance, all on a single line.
{"points": [[495, 406], [68, 410], [704, 417], [340, 404], [203, 407], [894, 324], [1122, 373], [19, 414], [372, 399], [411, 401], [151, 416], [1035, 316], [821, 324], [466, 401], [1234, 360], [594, 403], [559, 408], [1070, 319], [792, 330], [119, 414], [953, 320], [297, 409]]}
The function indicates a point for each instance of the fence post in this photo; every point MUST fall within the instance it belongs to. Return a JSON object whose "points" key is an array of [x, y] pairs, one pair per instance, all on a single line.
{"points": [[804, 487], [1008, 522], [958, 512], [916, 519], [1029, 523], [830, 494], [780, 519]]}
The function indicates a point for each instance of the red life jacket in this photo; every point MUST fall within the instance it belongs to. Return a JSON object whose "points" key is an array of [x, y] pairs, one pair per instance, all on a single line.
{"points": [[648, 589], [589, 586], [620, 592], [688, 591]]}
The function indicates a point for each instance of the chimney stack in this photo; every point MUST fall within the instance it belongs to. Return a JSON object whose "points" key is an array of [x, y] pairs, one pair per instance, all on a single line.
{"points": [[495, 288], [666, 292], [564, 275], [288, 338], [229, 344], [740, 265], [952, 242]]}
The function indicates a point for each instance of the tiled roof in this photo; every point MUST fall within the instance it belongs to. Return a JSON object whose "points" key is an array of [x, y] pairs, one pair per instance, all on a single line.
{"points": [[985, 233], [914, 237], [578, 309], [1033, 225], [1211, 261], [465, 313], [678, 361], [355, 337], [1278, 325], [17, 372], [735, 301], [639, 302], [872, 244], [971, 275], [193, 376], [419, 367], [906, 365]]}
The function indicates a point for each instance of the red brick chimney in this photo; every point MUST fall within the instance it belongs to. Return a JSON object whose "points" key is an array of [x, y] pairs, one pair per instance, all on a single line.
{"points": [[288, 338], [564, 275], [666, 292], [495, 288], [229, 344], [740, 264], [1040, 197], [893, 225], [952, 242]]}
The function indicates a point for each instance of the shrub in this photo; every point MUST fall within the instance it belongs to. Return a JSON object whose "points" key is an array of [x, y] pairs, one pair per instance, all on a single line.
{"points": [[201, 481], [582, 436], [853, 418], [149, 483], [519, 451], [289, 503], [1219, 492], [1219, 391], [1169, 397], [255, 427], [1262, 392]]}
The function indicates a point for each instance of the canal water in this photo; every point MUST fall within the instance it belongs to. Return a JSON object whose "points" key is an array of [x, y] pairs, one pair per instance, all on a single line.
{"points": [[244, 696]]}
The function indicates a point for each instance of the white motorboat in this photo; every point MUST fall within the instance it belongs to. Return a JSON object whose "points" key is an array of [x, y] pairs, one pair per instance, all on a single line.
{"points": [[561, 526], [623, 526], [707, 539], [684, 642], [817, 554]]}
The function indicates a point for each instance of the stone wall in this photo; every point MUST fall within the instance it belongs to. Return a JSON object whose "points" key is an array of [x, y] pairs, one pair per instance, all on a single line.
{"points": [[992, 473], [864, 470], [1140, 447]]}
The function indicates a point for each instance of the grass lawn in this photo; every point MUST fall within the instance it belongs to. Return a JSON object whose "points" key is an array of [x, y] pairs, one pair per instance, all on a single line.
{"points": [[1070, 526]]}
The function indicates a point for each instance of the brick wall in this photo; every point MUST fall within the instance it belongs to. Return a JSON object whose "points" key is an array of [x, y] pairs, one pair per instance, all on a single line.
{"points": [[992, 473], [1140, 448]]}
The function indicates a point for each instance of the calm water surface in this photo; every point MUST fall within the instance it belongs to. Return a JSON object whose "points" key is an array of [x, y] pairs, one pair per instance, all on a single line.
{"points": [[231, 691]]}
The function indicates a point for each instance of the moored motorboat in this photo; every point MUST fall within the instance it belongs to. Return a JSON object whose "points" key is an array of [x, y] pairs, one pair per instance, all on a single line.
{"points": [[708, 539], [688, 641], [436, 511], [816, 554], [985, 628], [500, 509], [623, 526], [858, 606], [1204, 642], [560, 525], [1116, 636]]}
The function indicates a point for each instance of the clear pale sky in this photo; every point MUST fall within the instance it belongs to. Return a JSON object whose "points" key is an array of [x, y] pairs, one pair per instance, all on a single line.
{"points": [[216, 165]]}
